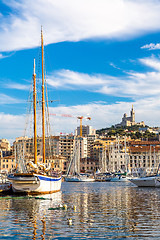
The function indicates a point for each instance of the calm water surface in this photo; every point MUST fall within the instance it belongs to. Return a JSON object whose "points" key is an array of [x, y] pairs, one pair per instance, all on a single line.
{"points": [[103, 211]]}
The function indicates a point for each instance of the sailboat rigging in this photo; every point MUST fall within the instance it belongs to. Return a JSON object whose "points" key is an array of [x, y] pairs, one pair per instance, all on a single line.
{"points": [[35, 181], [76, 176]]}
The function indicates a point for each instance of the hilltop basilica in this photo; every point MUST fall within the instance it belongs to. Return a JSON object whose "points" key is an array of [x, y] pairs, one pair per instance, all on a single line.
{"points": [[129, 121]]}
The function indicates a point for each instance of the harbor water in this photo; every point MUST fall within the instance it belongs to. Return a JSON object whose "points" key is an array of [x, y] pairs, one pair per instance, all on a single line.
{"points": [[96, 210]]}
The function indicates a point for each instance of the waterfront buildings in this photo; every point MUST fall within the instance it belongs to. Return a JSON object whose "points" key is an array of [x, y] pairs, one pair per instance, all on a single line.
{"points": [[111, 154], [134, 157], [26, 145], [144, 156]]}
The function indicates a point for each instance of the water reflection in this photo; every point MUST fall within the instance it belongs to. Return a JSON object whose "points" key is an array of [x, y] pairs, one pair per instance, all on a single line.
{"points": [[97, 210], [117, 210]]}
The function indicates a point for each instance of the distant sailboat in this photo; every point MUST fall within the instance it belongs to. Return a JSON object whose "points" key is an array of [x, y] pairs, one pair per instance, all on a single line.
{"points": [[76, 176], [35, 182]]}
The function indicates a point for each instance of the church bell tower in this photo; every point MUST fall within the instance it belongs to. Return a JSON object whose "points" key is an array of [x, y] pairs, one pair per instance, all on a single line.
{"points": [[133, 116]]}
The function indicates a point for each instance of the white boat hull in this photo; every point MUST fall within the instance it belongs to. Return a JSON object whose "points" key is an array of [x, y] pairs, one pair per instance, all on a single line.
{"points": [[79, 179], [36, 184], [146, 181]]}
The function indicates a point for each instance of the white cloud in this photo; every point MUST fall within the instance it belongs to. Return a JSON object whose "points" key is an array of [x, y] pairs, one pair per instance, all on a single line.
{"points": [[16, 86], [70, 79], [114, 66], [76, 20], [151, 62], [5, 99], [133, 84], [12, 126], [151, 46], [2, 55]]}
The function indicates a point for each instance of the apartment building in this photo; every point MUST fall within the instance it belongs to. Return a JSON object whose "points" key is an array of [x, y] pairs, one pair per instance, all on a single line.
{"points": [[90, 142], [117, 158], [144, 156], [66, 146], [25, 145], [86, 130], [88, 165], [134, 156], [7, 164]]}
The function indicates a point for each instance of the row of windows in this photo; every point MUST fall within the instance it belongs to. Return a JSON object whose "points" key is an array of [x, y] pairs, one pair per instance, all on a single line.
{"points": [[87, 163], [83, 168], [144, 157], [7, 160], [117, 156], [6, 166]]}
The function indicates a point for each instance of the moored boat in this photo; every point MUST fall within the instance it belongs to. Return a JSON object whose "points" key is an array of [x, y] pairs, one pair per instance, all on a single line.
{"points": [[80, 178], [5, 186], [149, 181], [34, 183], [75, 175], [119, 177]]}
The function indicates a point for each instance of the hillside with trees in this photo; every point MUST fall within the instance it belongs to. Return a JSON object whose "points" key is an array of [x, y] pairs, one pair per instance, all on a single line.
{"points": [[132, 131]]}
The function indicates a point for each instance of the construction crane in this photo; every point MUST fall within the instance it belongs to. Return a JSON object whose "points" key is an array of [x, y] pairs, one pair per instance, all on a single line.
{"points": [[80, 118], [68, 115]]}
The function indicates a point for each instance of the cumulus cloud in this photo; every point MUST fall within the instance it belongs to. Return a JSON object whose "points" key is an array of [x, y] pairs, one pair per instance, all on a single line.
{"points": [[5, 99], [75, 20], [151, 46]]}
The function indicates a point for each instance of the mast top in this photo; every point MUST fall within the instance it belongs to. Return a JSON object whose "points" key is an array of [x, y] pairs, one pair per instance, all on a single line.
{"points": [[41, 33], [34, 73]]}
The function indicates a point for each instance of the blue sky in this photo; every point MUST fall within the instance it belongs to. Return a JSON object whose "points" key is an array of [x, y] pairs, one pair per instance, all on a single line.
{"points": [[99, 61]]}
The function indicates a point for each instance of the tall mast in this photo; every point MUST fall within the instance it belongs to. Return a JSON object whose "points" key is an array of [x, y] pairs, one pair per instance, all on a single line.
{"points": [[43, 100], [35, 120]]}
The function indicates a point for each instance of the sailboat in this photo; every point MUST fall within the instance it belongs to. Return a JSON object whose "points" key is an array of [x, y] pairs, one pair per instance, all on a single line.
{"points": [[76, 176], [35, 181]]}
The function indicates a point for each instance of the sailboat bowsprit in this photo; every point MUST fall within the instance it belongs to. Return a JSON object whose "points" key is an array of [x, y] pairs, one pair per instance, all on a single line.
{"points": [[37, 181]]}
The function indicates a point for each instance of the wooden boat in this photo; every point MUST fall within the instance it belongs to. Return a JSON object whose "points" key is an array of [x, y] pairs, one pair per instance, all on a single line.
{"points": [[37, 182]]}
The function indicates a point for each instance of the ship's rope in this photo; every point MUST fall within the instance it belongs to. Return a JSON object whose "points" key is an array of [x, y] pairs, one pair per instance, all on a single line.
{"points": [[29, 110]]}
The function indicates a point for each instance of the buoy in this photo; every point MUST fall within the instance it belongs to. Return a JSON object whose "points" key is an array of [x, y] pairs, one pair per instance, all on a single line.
{"points": [[65, 206], [69, 221]]}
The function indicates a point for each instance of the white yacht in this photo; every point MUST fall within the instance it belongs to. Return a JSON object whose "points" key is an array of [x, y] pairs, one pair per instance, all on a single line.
{"points": [[149, 181]]}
